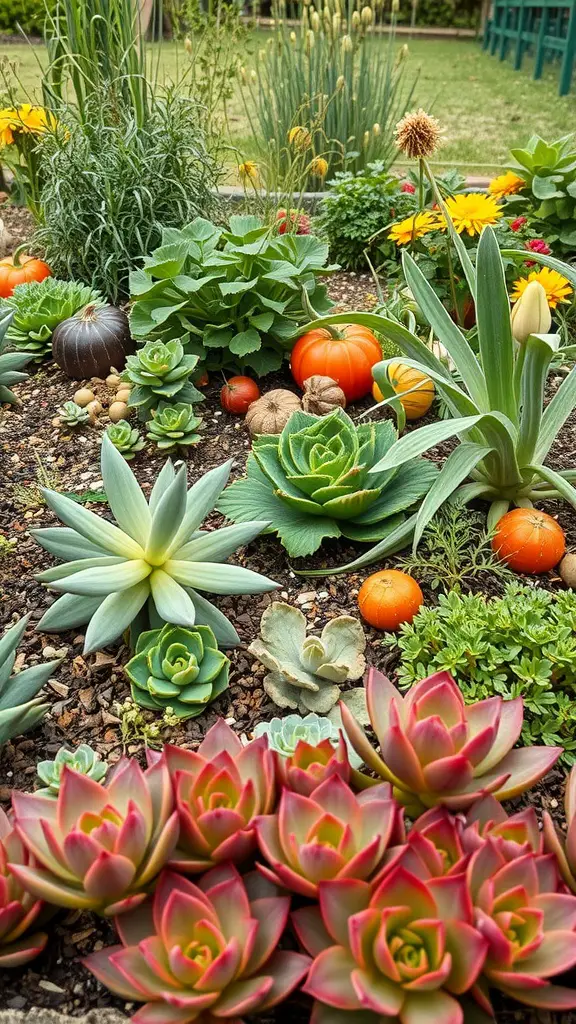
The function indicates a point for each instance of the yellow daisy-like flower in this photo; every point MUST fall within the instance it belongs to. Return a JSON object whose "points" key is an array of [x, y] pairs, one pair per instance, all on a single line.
{"points": [[471, 212], [413, 227], [558, 289], [506, 185], [248, 172], [35, 120], [319, 167], [6, 127], [299, 137]]}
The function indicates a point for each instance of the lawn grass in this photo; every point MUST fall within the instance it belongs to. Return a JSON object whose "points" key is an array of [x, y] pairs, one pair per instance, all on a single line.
{"points": [[485, 106]]}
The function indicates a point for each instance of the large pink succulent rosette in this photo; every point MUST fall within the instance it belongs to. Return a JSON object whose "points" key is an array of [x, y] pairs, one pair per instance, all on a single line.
{"points": [[403, 950], [331, 834], [98, 846], [205, 953], [18, 909], [528, 924], [435, 749], [220, 788]]}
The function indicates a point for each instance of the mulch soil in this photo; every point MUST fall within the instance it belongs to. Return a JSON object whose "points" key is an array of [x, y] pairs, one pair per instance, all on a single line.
{"points": [[85, 691]]}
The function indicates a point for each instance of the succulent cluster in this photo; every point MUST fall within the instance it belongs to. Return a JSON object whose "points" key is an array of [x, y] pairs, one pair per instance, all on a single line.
{"points": [[39, 306], [126, 439], [160, 373], [84, 760], [73, 415], [413, 924], [173, 426]]}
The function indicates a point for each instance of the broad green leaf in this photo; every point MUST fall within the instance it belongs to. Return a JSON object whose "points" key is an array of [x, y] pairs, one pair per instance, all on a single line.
{"points": [[456, 468], [245, 342], [546, 188], [217, 337], [369, 533], [166, 260], [114, 615], [94, 528], [394, 542], [127, 502], [237, 287], [409, 484], [494, 326]]}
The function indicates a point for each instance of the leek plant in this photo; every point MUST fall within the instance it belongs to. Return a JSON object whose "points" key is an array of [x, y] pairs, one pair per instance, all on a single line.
{"points": [[496, 404]]}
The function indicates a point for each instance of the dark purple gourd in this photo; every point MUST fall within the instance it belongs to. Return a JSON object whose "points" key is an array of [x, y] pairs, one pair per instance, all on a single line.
{"points": [[89, 343]]}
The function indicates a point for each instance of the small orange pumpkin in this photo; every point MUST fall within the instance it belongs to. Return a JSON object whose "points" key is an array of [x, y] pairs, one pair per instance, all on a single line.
{"points": [[347, 356], [389, 598], [529, 541], [19, 269], [403, 378]]}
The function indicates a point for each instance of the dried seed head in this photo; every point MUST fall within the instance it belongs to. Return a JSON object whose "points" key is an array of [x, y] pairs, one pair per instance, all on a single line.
{"points": [[418, 134]]}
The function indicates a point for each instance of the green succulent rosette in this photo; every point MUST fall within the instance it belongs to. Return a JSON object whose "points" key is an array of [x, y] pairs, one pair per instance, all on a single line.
{"points": [[73, 415], [178, 668], [84, 759], [39, 306], [316, 479], [174, 426], [126, 439], [160, 372]]}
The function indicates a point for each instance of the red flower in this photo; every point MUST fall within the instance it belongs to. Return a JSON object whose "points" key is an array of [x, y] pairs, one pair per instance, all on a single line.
{"points": [[518, 223], [407, 186], [538, 245], [287, 220]]}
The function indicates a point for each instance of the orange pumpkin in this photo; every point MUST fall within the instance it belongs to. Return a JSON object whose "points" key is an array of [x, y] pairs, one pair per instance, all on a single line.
{"points": [[389, 598], [529, 541], [403, 378], [19, 269], [347, 356]]}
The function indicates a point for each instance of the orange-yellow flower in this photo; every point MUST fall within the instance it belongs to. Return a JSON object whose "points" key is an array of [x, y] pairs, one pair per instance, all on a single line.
{"points": [[6, 127], [248, 172], [558, 289], [413, 227], [472, 212], [506, 185], [319, 167], [299, 137]]}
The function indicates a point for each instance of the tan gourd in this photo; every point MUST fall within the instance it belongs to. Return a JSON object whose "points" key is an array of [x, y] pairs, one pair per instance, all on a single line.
{"points": [[270, 413], [322, 395]]}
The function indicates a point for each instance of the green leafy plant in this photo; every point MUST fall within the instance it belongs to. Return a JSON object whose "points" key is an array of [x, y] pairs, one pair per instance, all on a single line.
{"points": [[233, 297], [146, 570], [112, 182], [522, 644], [39, 306], [160, 372], [315, 480], [20, 708], [27, 15], [84, 760], [126, 439], [549, 170], [455, 552], [306, 672], [73, 415], [178, 669], [174, 426], [7, 546], [11, 363]]}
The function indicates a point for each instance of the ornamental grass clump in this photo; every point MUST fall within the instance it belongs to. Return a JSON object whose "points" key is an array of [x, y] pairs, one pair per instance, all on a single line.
{"points": [[20, 707], [39, 306], [316, 480], [149, 567], [19, 910], [206, 952], [435, 750], [160, 373], [98, 846], [330, 834], [307, 671], [178, 669], [219, 788]]}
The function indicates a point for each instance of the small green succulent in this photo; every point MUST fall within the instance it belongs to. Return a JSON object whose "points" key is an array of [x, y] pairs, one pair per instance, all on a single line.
{"points": [[83, 759], [10, 362], [161, 372], [173, 426], [284, 734], [178, 668], [20, 708], [73, 415], [39, 306], [306, 672], [126, 439]]}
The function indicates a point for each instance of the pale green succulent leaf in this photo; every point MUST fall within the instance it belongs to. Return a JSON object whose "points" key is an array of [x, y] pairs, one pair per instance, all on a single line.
{"points": [[15, 721], [12, 637], [91, 526], [60, 572], [167, 519], [163, 481], [344, 641], [456, 469], [201, 499], [103, 580], [125, 497], [208, 614], [25, 685], [114, 615], [63, 542], [281, 691], [220, 544], [172, 602], [219, 579], [67, 612], [322, 701]]}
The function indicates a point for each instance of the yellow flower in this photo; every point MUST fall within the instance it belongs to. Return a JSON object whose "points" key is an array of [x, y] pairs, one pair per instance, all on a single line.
{"points": [[472, 212], [506, 185], [7, 127], [319, 167], [34, 119], [248, 172], [299, 137], [557, 288], [413, 227]]}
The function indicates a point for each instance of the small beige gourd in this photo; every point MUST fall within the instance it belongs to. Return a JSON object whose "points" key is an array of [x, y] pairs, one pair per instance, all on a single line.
{"points": [[322, 395], [270, 413]]}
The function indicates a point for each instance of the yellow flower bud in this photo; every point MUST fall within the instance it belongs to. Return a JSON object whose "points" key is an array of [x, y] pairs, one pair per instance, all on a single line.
{"points": [[300, 138], [531, 313], [310, 39], [347, 44], [319, 167], [293, 38], [315, 21], [395, 6], [367, 16], [336, 23], [376, 129], [248, 172], [366, 138]]}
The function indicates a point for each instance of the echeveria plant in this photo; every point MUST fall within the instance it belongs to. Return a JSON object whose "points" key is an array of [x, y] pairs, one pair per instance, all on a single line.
{"points": [[308, 751], [176, 668], [73, 415], [126, 439], [147, 569], [316, 480], [173, 426], [84, 760], [19, 910], [161, 372], [20, 708], [307, 671]]}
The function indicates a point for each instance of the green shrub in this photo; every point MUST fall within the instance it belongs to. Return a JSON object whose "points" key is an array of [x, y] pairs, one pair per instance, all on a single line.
{"points": [[112, 185], [27, 15], [232, 297], [549, 198], [521, 644]]}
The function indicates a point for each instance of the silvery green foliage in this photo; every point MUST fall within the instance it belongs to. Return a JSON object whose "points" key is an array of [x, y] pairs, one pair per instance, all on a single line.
{"points": [[73, 415], [83, 759], [173, 426], [20, 708], [10, 362], [306, 671], [161, 372], [148, 567], [284, 734]]}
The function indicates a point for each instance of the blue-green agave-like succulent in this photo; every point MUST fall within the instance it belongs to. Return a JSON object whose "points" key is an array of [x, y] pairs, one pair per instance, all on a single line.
{"points": [[284, 734], [84, 760], [20, 708]]}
